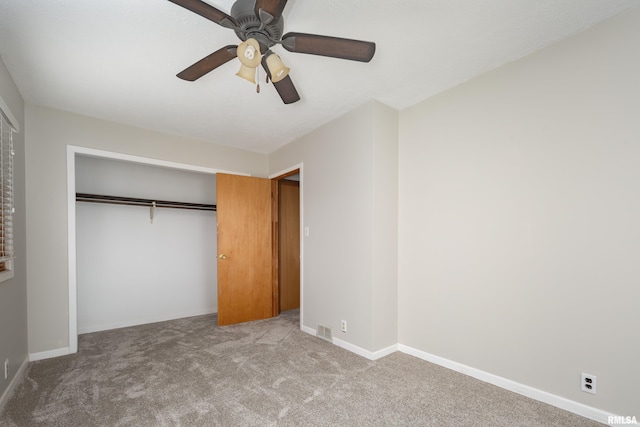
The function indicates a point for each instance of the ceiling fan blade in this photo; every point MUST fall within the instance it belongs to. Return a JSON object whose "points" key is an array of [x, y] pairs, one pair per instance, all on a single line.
{"points": [[287, 91], [207, 11], [354, 50], [208, 63], [269, 10]]}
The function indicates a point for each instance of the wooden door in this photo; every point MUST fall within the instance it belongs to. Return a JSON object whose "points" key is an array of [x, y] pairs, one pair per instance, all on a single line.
{"points": [[289, 243], [244, 249]]}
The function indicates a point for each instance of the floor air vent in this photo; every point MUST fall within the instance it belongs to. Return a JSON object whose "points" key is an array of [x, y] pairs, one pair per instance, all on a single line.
{"points": [[324, 333]]}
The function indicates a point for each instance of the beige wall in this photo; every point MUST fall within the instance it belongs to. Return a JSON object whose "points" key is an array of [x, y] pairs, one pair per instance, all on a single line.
{"points": [[519, 239], [48, 134], [384, 315], [13, 292], [349, 185]]}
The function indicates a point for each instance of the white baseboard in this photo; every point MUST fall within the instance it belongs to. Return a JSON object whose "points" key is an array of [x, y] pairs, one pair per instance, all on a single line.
{"points": [[371, 355], [308, 330], [533, 393], [385, 352], [353, 348], [49, 354], [17, 379]]}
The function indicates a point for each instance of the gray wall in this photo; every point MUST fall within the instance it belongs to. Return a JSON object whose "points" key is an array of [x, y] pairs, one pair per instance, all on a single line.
{"points": [[349, 191], [519, 240], [48, 134], [13, 292]]}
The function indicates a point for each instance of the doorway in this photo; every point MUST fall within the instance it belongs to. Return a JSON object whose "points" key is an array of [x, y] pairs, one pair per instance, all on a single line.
{"points": [[287, 243], [251, 292]]}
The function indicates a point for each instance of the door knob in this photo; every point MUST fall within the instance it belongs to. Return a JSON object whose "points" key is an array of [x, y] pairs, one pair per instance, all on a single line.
{"points": [[222, 256]]}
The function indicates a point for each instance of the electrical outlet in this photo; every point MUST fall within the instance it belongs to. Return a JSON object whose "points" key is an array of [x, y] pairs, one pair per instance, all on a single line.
{"points": [[343, 326], [588, 383], [6, 369]]}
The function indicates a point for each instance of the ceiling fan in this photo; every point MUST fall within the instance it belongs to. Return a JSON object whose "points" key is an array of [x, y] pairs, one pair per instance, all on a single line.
{"points": [[259, 24]]}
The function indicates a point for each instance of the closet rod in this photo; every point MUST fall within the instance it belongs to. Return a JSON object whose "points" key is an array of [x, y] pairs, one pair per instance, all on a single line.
{"points": [[116, 200]]}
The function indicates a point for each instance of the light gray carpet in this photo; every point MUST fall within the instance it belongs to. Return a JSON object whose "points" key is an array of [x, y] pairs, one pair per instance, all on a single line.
{"points": [[189, 372]]}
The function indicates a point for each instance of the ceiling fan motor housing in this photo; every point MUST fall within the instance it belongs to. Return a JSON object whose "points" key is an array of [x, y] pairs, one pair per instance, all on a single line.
{"points": [[243, 11]]}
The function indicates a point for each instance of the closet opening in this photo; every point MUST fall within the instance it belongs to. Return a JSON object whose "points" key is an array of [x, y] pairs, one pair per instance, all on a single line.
{"points": [[144, 277]]}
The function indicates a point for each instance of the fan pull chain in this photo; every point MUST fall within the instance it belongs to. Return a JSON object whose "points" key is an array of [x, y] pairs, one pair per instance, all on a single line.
{"points": [[257, 80]]}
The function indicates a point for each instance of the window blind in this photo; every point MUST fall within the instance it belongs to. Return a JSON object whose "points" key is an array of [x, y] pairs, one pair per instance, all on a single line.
{"points": [[6, 193]]}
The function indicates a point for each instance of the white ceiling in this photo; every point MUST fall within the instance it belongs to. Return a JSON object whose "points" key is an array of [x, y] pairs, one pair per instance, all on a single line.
{"points": [[117, 59]]}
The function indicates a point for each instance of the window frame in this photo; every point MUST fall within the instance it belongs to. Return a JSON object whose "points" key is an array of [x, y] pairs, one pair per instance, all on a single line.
{"points": [[7, 201]]}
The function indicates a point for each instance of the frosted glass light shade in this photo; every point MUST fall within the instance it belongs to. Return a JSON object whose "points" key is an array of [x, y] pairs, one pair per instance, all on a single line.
{"points": [[247, 73], [276, 68], [249, 53]]}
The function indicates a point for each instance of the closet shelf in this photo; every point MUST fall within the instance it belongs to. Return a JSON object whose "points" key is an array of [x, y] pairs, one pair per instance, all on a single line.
{"points": [[116, 200]]}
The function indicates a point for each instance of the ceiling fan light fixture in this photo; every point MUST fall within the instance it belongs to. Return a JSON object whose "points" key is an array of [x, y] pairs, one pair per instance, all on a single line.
{"points": [[249, 53], [247, 73], [277, 69], [259, 24]]}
